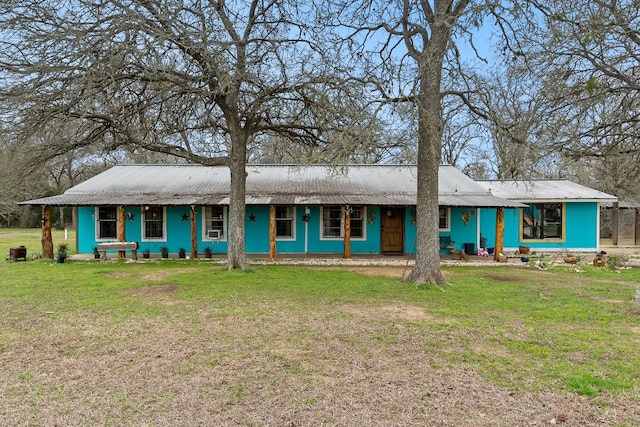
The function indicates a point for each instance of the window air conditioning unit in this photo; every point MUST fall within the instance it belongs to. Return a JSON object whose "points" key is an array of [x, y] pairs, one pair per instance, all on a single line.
{"points": [[213, 234]]}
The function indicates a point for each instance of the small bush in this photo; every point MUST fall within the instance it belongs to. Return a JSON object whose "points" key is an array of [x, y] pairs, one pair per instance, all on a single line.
{"points": [[616, 261]]}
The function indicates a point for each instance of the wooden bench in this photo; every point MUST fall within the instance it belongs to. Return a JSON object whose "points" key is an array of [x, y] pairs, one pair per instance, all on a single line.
{"points": [[118, 246], [447, 243]]}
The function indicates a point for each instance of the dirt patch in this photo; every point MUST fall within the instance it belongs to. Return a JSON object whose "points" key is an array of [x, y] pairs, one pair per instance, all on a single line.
{"points": [[156, 276], [117, 275], [503, 278], [156, 289], [385, 270], [400, 311]]}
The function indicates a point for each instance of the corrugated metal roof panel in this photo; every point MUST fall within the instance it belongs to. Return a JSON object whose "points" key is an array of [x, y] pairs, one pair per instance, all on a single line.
{"points": [[477, 200], [270, 184], [547, 190]]}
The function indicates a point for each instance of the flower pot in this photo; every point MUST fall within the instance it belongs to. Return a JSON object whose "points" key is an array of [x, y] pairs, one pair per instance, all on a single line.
{"points": [[60, 259]]}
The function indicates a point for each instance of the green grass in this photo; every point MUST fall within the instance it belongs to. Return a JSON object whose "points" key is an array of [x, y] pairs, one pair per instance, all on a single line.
{"points": [[573, 330], [30, 238], [568, 330]]}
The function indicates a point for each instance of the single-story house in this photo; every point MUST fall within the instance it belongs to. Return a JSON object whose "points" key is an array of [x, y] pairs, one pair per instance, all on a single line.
{"points": [[302, 208], [560, 215]]}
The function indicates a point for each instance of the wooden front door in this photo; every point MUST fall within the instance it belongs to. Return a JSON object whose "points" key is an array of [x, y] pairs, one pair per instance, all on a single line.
{"points": [[392, 230]]}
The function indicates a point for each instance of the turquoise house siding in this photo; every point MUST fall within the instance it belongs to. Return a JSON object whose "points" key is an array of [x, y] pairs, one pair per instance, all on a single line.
{"points": [[581, 228], [86, 231], [370, 245], [583, 222], [178, 232], [459, 232], [511, 227], [409, 233]]}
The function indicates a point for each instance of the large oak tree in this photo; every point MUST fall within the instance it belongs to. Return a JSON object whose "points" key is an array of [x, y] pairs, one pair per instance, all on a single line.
{"points": [[200, 80]]}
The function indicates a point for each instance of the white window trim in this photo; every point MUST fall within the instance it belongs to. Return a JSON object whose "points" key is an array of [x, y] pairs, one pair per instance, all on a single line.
{"points": [[293, 225], [363, 219], [448, 228], [203, 211], [164, 226], [97, 225]]}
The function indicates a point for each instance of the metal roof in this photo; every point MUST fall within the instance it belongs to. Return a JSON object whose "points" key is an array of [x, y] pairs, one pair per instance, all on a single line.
{"points": [[173, 185], [544, 190], [622, 205]]}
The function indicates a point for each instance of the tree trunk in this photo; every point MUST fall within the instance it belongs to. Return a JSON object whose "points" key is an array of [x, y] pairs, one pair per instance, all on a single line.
{"points": [[615, 211], [636, 239], [47, 238], [427, 266], [236, 255], [24, 218]]}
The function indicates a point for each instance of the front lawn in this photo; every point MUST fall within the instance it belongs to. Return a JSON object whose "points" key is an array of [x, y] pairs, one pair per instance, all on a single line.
{"points": [[184, 342]]}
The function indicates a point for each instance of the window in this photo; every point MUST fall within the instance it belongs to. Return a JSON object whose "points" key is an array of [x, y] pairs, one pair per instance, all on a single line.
{"points": [[285, 222], [542, 221], [444, 214], [333, 222], [214, 223], [153, 223], [107, 218]]}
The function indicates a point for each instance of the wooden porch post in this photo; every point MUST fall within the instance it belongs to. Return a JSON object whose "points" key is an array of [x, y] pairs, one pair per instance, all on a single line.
{"points": [[194, 234], [47, 238], [122, 219], [272, 233], [499, 233], [347, 232]]}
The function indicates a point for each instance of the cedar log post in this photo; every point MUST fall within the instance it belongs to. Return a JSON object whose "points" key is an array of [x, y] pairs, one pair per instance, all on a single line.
{"points": [[499, 233], [272, 233], [122, 218], [194, 234], [47, 239], [347, 232]]}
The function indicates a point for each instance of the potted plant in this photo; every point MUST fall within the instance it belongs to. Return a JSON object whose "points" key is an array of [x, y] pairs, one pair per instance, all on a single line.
{"points": [[146, 253], [96, 253], [164, 251], [61, 254], [207, 252], [182, 253]]}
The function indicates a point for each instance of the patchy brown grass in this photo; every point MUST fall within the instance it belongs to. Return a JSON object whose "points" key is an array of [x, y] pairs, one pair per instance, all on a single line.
{"points": [[332, 365], [202, 360]]}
